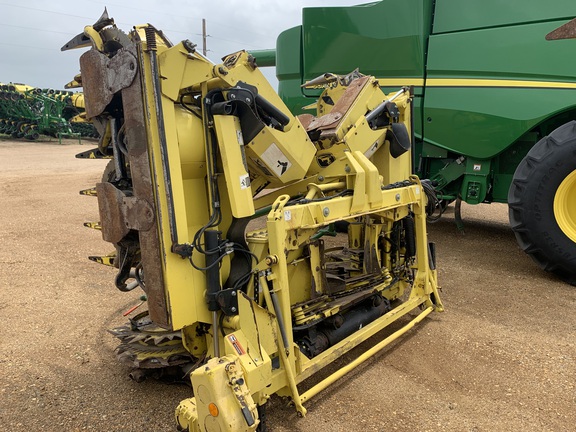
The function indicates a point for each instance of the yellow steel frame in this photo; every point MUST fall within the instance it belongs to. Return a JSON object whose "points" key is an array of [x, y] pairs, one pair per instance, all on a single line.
{"points": [[230, 385]]}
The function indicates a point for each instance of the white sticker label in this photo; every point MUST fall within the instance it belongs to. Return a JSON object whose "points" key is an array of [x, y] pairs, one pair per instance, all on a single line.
{"points": [[244, 181], [417, 190], [240, 137], [477, 167], [370, 152], [276, 160], [287, 215]]}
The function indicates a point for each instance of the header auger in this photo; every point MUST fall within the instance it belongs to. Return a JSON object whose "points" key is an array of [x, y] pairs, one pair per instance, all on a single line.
{"points": [[200, 150]]}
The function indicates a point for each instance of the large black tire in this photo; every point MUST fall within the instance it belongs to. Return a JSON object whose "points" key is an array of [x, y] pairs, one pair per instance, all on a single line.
{"points": [[533, 191]]}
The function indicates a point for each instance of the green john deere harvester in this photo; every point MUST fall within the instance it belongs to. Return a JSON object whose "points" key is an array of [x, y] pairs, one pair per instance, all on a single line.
{"points": [[495, 104]]}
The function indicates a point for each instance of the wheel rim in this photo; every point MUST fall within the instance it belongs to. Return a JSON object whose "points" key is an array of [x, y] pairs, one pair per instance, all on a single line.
{"points": [[565, 206]]}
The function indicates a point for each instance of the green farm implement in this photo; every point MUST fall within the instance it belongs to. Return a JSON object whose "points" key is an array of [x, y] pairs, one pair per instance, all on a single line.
{"points": [[28, 112]]}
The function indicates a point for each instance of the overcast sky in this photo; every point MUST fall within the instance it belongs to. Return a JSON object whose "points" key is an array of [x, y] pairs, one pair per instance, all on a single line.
{"points": [[33, 31]]}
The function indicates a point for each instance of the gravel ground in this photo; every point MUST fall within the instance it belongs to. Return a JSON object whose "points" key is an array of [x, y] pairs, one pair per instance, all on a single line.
{"points": [[501, 358]]}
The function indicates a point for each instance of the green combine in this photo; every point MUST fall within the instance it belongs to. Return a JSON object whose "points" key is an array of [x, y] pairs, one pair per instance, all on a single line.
{"points": [[495, 104]]}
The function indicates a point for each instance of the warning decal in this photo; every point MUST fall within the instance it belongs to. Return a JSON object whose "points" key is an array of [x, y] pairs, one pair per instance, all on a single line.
{"points": [[236, 344], [276, 160], [244, 181]]}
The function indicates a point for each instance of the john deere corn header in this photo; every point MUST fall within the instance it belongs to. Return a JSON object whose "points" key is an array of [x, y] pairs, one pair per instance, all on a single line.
{"points": [[200, 150], [28, 112]]}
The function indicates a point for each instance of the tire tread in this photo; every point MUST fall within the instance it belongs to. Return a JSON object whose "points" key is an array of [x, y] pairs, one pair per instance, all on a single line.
{"points": [[521, 187]]}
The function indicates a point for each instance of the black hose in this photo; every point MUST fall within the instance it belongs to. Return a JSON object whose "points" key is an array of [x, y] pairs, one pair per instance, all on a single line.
{"points": [[410, 237], [272, 111], [212, 239], [433, 204]]}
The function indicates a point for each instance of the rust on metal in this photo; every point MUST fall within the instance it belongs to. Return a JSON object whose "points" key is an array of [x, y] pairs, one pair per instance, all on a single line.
{"points": [[114, 228], [121, 70], [330, 122], [305, 120], [137, 145], [327, 121], [120, 213], [102, 77], [96, 93], [566, 31]]}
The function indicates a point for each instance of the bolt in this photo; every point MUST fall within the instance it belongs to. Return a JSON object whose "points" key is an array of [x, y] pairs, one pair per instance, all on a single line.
{"points": [[233, 309], [347, 168], [321, 178], [271, 259], [233, 293], [325, 211], [397, 197]]}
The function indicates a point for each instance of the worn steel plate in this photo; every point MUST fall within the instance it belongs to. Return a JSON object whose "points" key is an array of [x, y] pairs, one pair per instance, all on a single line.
{"points": [[103, 77]]}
